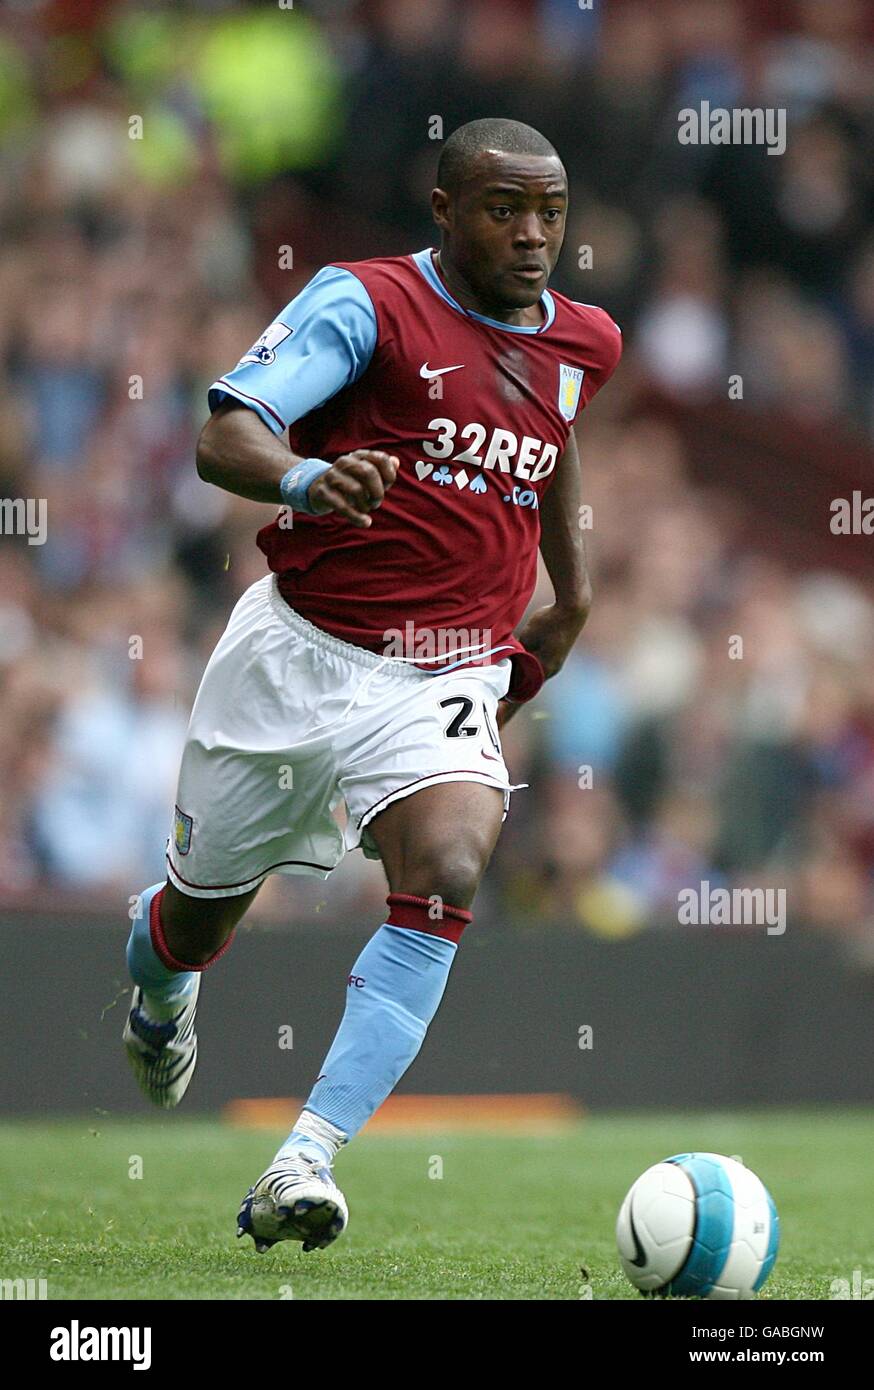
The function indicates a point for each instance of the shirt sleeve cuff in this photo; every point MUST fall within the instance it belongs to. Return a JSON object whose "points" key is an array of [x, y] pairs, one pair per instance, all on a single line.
{"points": [[221, 389]]}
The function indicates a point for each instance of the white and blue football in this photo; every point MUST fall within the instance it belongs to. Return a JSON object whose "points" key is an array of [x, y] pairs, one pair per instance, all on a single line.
{"points": [[698, 1225]]}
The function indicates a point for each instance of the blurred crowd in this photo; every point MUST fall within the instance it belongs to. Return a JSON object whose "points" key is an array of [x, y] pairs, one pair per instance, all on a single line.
{"points": [[170, 175]]}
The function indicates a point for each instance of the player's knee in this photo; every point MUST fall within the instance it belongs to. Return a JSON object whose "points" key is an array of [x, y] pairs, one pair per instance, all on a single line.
{"points": [[450, 876], [195, 929], [201, 947], [197, 942]]}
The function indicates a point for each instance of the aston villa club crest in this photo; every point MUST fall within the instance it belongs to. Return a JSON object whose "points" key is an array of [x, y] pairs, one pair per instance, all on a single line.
{"points": [[570, 383], [182, 828]]}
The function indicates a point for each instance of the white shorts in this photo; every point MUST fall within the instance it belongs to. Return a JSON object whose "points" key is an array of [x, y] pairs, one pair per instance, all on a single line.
{"points": [[289, 721]]}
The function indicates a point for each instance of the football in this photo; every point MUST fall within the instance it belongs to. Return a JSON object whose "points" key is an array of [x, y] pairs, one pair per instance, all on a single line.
{"points": [[698, 1225]]}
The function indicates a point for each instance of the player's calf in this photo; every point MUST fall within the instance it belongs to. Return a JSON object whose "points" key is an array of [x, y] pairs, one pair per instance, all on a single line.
{"points": [[159, 1033], [393, 992], [434, 846]]}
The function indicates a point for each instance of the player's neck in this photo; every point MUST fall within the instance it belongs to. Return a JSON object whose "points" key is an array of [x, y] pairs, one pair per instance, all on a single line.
{"points": [[531, 317]]}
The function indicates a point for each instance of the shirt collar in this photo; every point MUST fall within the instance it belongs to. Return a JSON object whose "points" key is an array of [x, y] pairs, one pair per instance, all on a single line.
{"points": [[424, 262]]}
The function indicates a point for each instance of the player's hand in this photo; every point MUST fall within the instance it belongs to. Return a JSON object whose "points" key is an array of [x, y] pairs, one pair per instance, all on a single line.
{"points": [[354, 485], [551, 632]]}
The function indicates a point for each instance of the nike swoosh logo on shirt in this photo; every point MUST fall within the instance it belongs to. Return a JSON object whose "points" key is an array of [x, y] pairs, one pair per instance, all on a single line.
{"points": [[429, 372]]}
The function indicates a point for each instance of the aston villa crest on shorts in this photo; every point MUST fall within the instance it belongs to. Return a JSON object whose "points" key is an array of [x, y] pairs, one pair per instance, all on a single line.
{"points": [[182, 828], [570, 383]]}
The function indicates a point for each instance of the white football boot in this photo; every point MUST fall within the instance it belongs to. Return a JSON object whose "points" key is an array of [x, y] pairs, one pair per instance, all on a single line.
{"points": [[162, 1054], [296, 1199]]}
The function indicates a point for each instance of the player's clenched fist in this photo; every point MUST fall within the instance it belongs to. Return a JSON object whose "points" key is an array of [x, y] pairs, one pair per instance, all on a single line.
{"points": [[354, 484]]}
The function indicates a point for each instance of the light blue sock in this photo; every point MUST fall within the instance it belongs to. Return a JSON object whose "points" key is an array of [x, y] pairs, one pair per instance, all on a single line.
{"points": [[162, 987], [394, 991]]}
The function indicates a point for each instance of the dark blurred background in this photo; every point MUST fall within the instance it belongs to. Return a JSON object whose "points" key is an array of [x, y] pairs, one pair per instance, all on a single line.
{"points": [[266, 129]]}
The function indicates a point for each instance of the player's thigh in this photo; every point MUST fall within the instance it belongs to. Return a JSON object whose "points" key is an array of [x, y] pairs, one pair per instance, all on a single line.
{"points": [[439, 840], [425, 782]]}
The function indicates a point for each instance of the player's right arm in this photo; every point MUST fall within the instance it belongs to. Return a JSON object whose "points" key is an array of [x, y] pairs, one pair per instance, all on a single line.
{"points": [[237, 452], [322, 341]]}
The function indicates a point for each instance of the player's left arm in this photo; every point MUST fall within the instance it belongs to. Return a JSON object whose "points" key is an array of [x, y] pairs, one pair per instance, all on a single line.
{"points": [[551, 632]]}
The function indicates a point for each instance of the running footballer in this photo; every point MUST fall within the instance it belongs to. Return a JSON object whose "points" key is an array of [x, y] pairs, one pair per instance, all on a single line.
{"points": [[429, 402]]}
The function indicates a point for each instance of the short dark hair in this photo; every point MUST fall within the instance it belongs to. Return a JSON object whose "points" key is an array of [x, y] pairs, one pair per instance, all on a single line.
{"points": [[493, 134]]}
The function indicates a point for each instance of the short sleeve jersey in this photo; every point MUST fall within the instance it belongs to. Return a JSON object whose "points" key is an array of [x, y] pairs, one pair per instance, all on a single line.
{"points": [[378, 354]]}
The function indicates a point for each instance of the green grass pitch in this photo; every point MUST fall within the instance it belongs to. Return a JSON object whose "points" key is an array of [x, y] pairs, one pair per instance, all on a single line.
{"points": [[510, 1218]]}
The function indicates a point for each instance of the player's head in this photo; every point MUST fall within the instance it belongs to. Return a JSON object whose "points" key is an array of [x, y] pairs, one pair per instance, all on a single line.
{"points": [[500, 204]]}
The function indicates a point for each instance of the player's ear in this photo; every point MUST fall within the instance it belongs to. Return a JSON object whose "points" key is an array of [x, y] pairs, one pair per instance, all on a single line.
{"points": [[440, 207]]}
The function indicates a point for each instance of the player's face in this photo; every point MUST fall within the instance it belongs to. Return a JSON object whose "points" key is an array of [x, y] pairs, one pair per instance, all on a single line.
{"points": [[505, 227]]}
